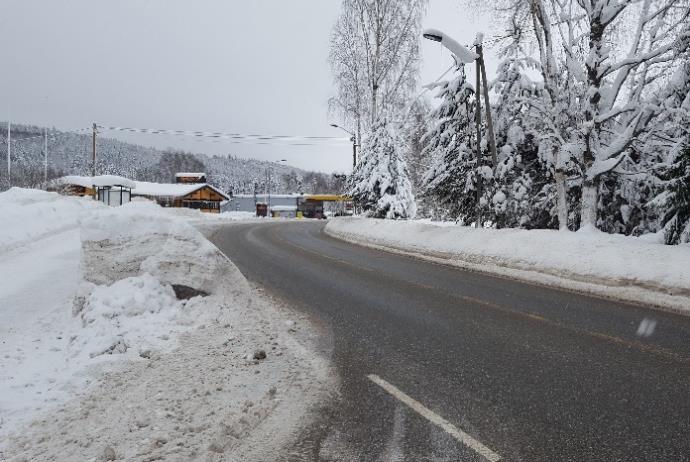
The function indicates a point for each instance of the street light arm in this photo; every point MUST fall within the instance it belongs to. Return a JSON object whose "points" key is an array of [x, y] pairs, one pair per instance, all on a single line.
{"points": [[343, 129], [461, 53]]}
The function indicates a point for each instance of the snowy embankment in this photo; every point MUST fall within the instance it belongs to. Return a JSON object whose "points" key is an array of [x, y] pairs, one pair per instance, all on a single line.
{"points": [[47, 214], [613, 266], [127, 335]]}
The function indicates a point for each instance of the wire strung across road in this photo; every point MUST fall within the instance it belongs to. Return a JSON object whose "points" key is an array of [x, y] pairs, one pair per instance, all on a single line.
{"points": [[52, 136], [239, 138]]}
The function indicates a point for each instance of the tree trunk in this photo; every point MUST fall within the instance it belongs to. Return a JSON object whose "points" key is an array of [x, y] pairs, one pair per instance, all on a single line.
{"points": [[588, 214], [562, 201], [593, 66], [374, 89]]}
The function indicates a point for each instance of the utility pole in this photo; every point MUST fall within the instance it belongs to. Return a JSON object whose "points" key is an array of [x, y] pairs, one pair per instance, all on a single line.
{"points": [[487, 106], [45, 156], [478, 121], [268, 177], [9, 147], [93, 150]]}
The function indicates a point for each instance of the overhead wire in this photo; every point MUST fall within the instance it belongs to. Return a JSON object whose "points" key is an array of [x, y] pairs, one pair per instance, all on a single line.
{"points": [[238, 138], [52, 136]]}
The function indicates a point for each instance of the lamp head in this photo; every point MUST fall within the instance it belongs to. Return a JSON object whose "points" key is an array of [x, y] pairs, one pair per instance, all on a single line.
{"points": [[431, 36]]}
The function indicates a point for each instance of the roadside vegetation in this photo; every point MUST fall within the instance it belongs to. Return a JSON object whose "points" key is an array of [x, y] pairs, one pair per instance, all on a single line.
{"points": [[590, 107]]}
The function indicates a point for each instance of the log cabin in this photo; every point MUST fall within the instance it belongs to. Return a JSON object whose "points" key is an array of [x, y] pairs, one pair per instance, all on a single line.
{"points": [[198, 196]]}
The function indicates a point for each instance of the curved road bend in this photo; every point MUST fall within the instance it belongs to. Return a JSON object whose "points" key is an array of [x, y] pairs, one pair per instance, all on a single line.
{"points": [[519, 371]]}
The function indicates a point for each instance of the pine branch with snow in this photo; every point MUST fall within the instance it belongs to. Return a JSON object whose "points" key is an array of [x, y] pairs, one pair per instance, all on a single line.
{"points": [[676, 199]]}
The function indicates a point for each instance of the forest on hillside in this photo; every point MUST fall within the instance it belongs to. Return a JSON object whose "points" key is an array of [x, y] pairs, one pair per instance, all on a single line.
{"points": [[70, 154]]}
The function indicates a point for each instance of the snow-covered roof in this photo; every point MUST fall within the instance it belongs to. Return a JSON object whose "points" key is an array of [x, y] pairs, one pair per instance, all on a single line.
{"points": [[112, 180], [145, 188], [100, 180], [84, 181], [193, 174]]}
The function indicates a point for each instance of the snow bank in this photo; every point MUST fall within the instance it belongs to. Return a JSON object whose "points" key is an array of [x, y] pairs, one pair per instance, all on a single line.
{"points": [[131, 258], [29, 214], [615, 266], [138, 310], [126, 366], [125, 241]]}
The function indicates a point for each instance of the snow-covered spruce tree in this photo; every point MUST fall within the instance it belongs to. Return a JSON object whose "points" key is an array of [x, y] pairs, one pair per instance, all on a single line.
{"points": [[523, 195], [676, 199], [380, 183], [451, 180]]}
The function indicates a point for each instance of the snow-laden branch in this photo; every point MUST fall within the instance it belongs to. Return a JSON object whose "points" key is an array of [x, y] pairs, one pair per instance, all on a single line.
{"points": [[637, 60]]}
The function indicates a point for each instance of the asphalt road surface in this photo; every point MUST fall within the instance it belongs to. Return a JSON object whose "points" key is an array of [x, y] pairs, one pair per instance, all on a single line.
{"points": [[437, 363]]}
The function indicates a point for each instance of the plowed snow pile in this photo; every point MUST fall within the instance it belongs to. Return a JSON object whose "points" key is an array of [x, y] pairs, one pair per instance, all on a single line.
{"points": [[28, 215], [152, 355]]}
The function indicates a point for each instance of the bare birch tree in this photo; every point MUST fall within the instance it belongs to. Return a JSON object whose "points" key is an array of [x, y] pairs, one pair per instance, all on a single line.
{"points": [[374, 58]]}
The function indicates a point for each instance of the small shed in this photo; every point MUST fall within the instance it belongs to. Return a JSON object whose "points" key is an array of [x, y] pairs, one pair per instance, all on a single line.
{"points": [[284, 211], [323, 205], [198, 196], [248, 202], [261, 209], [113, 189], [109, 189]]}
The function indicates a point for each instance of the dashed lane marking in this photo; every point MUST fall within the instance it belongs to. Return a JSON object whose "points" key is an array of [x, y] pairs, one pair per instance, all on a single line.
{"points": [[436, 419]]}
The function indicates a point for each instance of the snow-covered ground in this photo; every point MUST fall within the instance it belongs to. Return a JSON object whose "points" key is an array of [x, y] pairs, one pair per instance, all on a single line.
{"points": [[615, 266], [101, 357]]}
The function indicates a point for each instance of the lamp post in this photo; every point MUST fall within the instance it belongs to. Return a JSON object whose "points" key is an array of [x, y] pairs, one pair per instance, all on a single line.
{"points": [[462, 55], [353, 138], [9, 148], [268, 174]]}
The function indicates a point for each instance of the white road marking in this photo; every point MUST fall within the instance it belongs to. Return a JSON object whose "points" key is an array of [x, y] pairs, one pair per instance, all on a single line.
{"points": [[646, 327], [436, 419]]}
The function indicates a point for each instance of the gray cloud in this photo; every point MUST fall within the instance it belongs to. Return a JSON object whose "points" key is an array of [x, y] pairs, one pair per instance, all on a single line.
{"points": [[231, 66]]}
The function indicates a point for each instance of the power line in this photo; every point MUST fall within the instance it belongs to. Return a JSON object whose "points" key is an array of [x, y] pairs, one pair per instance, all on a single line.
{"points": [[52, 136], [233, 137], [266, 143]]}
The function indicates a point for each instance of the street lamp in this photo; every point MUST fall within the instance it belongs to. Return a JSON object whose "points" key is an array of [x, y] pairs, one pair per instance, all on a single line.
{"points": [[268, 171], [462, 56], [354, 144]]}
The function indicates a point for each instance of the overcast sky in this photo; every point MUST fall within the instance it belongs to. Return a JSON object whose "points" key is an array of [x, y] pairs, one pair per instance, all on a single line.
{"points": [[255, 67]]}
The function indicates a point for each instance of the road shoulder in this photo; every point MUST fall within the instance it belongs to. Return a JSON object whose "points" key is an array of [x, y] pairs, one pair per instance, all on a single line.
{"points": [[565, 273]]}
